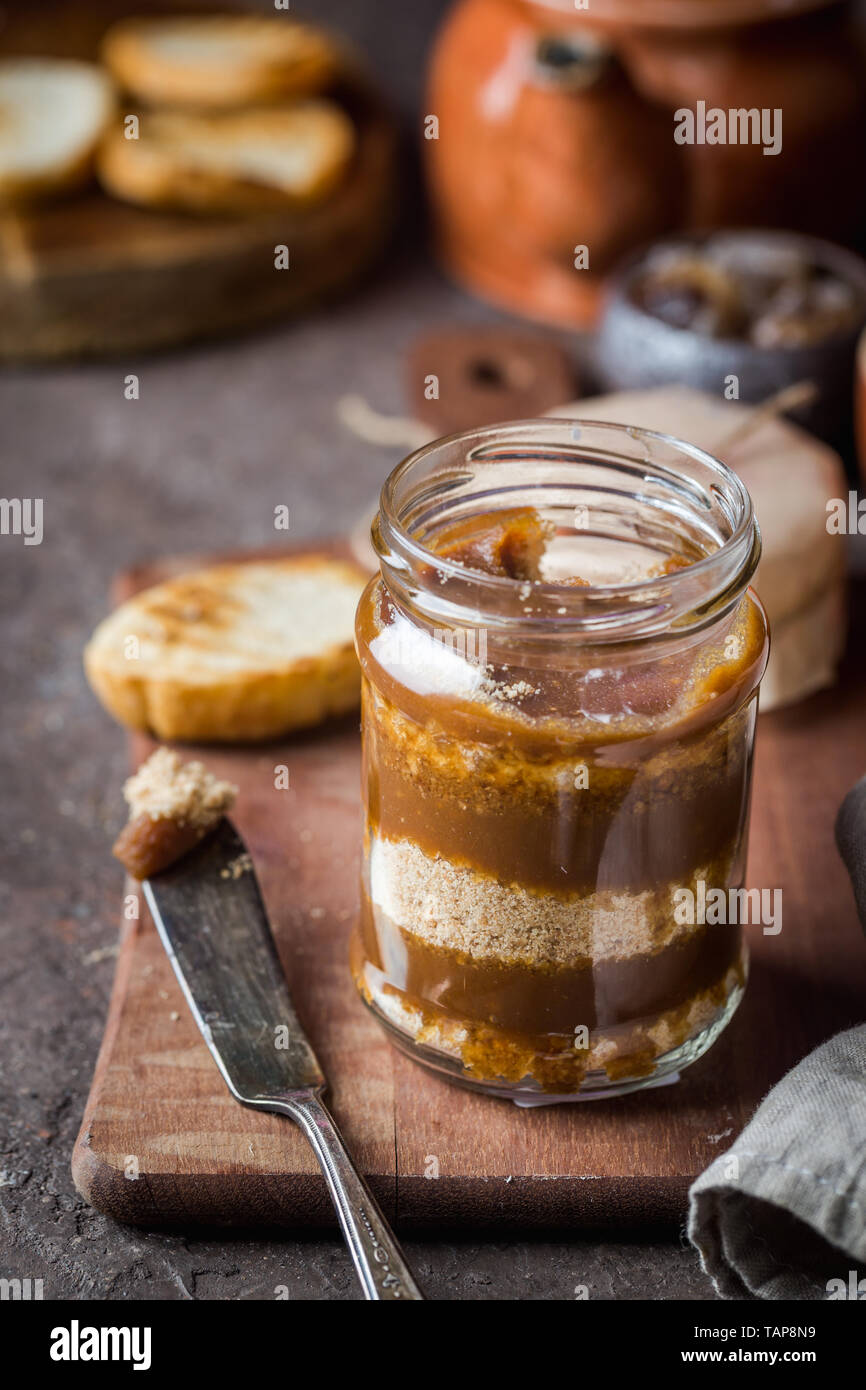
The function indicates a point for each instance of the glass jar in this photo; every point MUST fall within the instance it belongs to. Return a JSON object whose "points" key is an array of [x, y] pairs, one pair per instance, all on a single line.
{"points": [[561, 659]]}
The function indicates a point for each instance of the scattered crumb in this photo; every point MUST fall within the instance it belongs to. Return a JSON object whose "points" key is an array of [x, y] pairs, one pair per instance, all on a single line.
{"points": [[517, 691], [101, 953], [496, 690], [242, 865]]}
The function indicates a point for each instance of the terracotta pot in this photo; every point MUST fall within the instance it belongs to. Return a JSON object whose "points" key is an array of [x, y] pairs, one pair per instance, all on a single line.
{"points": [[543, 146], [813, 70]]}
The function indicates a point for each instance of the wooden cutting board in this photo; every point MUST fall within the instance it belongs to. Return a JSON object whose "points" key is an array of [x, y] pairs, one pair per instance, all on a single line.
{"points": [[87, 275], [163, 1143]]}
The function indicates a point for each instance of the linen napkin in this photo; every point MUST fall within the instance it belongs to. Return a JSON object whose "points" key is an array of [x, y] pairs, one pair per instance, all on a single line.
{"points": [[782, 1214]]}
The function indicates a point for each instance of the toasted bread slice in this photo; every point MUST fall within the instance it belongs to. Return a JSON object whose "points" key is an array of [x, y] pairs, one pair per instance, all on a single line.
{"points": [[232, 161], [233, 653], [219, 61], [52, 116]]}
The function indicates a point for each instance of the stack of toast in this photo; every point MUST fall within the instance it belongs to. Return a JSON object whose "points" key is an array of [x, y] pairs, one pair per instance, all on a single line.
{"points": [[219, 115], [158, 193]]}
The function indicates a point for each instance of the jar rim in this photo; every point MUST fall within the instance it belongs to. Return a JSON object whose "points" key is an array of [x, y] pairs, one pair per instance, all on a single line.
{"points": [[708, 586]]}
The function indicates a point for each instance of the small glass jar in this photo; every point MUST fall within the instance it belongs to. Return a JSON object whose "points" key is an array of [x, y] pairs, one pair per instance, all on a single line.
{"points": [[561, 660]]}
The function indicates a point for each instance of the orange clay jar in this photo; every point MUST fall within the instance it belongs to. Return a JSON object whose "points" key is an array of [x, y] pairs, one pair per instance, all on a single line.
{"points": [[561, 659], [556, 131], [543, 146], [812, 69]]}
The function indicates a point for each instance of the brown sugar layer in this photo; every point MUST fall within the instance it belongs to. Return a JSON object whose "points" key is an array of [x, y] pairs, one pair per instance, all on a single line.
{"points": [[455, 908], [559, 824]]}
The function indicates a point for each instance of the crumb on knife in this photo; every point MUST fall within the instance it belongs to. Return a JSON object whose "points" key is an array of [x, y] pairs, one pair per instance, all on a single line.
{"points": [[172, 806]]}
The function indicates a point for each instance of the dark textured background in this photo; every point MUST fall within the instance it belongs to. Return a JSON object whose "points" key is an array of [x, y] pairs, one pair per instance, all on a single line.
{"points": [[219, 436]]}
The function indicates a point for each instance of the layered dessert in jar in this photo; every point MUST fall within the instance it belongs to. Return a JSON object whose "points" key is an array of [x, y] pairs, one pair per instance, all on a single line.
{"points": [[561, 660]]}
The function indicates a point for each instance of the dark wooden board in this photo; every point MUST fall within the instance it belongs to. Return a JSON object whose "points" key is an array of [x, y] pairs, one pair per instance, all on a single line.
{"points": [[157, 1097]]}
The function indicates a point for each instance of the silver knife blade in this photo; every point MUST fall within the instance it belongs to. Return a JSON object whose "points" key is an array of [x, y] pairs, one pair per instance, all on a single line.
{"points": [[210, 915], [209, 912]]}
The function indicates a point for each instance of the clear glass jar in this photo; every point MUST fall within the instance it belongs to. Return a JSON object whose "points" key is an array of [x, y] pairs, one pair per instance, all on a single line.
{"points": [[561, 661]]}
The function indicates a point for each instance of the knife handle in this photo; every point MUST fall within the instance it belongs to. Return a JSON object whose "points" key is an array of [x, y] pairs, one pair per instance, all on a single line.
{"points": [[376, 1254]]}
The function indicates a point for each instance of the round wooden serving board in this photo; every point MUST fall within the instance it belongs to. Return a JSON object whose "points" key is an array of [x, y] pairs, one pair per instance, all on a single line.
{"points": [[94, 277]]}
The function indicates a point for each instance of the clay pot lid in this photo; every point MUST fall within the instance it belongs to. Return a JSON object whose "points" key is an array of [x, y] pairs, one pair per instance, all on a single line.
{"points": [[485, 374], [677, 14]]}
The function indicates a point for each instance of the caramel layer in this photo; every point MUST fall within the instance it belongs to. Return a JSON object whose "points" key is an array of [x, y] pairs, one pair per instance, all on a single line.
{"points": [[577, 704], [487, 1053], [542, 1001], [559, 826]]}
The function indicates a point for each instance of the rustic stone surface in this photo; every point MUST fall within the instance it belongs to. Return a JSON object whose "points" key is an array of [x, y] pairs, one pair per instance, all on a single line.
{"points": [[219, 437]]}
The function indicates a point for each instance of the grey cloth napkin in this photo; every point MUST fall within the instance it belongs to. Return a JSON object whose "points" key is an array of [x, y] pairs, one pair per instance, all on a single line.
{"points": [[782, 1214]]}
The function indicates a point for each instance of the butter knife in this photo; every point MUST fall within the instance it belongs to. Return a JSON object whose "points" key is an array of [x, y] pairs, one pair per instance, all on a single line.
{"points": [[209, 912]]}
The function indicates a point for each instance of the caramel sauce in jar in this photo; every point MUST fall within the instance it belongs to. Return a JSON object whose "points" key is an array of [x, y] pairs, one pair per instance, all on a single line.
{"points": [[561, 662]]}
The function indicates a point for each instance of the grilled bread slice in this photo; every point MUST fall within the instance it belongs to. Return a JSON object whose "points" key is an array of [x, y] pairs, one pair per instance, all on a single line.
{"points": [[52, 116], [233, 653], [231, 162], [211, 61]]}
